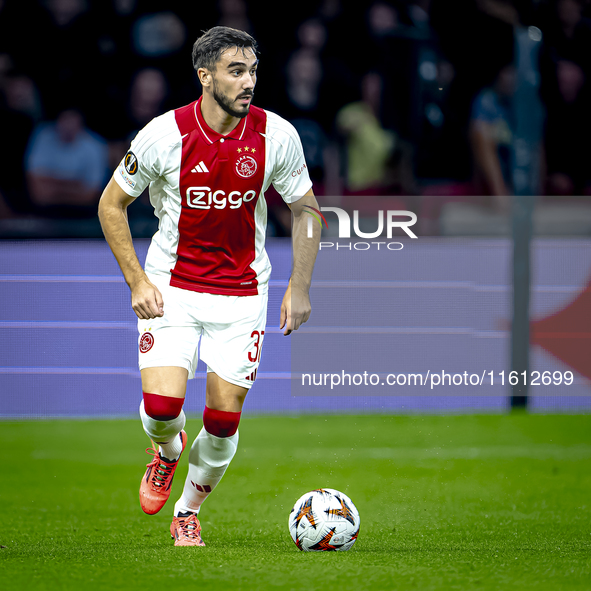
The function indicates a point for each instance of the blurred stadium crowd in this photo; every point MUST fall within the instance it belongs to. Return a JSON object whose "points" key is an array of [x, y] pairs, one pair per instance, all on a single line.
{"points": [[406, 102]]}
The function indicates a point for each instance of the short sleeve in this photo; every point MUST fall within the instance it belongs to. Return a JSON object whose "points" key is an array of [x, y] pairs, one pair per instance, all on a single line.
{"points": [[291, 179], [145, 160]]}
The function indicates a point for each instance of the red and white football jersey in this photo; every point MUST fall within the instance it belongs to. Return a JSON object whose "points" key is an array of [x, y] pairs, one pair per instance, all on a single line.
{"points": [[208, 194]]}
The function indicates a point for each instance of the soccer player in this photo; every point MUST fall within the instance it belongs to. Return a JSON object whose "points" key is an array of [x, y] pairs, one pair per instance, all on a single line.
{"points": [[206, 274]]}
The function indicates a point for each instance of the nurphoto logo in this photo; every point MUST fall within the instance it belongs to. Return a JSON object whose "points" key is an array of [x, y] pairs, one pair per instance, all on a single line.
{"points": [[390, 219]]}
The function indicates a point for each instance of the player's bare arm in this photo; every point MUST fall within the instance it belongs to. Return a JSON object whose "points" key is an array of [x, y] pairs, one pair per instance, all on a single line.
{"points": [[146, 300], [296, 307]]}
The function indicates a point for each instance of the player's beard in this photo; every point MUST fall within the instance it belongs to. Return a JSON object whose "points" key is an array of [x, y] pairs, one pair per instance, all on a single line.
{"points": [[227, 104]]}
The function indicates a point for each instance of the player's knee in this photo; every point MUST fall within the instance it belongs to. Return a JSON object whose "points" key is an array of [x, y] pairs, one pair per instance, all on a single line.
{"points": [[162, 408], [220, 423]]}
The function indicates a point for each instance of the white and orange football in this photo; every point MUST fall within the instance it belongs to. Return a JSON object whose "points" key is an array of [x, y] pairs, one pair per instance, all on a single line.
{"points": [[324, 520]]}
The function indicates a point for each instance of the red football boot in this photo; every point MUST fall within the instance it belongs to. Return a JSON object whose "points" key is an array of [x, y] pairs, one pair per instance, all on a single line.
{"points": [[157, 482], [186, 530]]}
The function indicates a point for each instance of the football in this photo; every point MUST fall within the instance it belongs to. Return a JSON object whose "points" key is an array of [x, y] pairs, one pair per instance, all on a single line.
{"points": [[324, 520]]}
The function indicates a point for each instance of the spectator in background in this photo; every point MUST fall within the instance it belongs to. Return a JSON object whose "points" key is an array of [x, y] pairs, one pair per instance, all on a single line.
{"points": [[304, 76], [22, 96], [159, 34], [67, 166], [20, 23], [477, 37], [567, 33], [383, 20], [147, 96], [392, 55], [567, 133], [234, 14], [148, 93], [418, 13], [69, 53], [149, 90], [20, 110], [159, 38], [368, 145], [302, 98], [377, 161], [113, 21], [305, 92], [565, 65], [312, 35], [303, 88], [491, 139]]}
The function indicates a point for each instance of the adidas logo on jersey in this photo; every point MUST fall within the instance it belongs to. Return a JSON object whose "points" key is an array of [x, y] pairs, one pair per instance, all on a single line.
{"points": [[200, 167]]}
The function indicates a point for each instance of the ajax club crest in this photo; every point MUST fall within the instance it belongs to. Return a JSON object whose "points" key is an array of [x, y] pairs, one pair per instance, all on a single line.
{"points": [[146, 342], [246, 166]]}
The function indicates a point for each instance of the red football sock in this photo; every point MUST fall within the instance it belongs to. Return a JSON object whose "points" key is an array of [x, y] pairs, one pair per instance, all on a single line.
{"points": [[220, 423], [162, 408]]}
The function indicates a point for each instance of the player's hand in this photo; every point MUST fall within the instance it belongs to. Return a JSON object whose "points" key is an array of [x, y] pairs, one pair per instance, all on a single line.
{"points": [[146, 300], [295, 309]]}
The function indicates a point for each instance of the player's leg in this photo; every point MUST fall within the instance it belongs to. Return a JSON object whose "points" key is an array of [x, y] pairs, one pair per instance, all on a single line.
{"points": [[167, 358], [161, 409], [231, 350], [215, 446], [163, 419], [210, 455]]}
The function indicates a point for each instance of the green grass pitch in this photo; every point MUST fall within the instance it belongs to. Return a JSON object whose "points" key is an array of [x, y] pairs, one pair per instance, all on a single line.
{"points": [[446, 502]]}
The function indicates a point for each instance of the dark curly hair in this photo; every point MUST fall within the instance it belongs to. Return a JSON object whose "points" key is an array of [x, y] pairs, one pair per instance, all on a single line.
{"points": [[208, 48]]}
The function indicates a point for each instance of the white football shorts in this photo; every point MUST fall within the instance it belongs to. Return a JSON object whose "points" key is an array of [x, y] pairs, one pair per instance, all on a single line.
{"points": [[231, 329]]}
